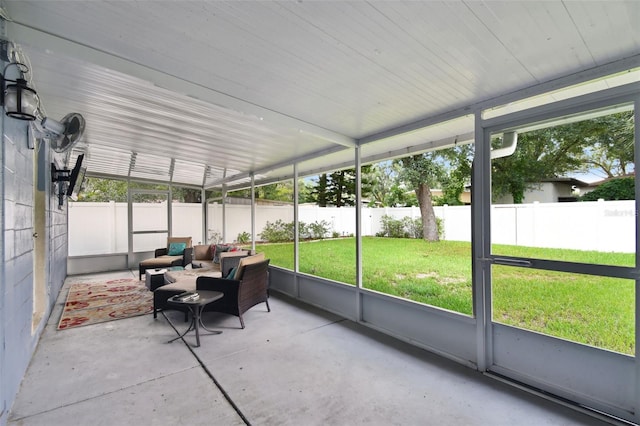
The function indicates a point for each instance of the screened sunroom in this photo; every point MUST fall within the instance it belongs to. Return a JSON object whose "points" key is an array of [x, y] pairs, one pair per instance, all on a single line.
{"points": [[222, 100]]}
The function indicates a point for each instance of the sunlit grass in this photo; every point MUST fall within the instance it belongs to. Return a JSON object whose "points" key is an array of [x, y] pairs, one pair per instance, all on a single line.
{"points": [[588, 309]]}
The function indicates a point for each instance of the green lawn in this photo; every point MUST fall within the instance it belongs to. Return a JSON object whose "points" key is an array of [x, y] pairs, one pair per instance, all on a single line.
{"points": [[588, 309]]}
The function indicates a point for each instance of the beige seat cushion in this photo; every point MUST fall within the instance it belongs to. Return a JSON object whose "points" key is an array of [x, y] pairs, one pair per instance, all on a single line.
{"points": [[160, 261], [249, 260], [184, 284], [186, 280], [175, 276], [202, 252]]}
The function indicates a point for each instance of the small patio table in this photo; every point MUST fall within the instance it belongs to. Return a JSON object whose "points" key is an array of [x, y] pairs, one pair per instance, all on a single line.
{"points": [[196, 307]]}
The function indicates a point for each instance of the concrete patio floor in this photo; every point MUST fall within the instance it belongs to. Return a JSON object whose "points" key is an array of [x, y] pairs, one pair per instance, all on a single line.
{"points": [[296, 365]]}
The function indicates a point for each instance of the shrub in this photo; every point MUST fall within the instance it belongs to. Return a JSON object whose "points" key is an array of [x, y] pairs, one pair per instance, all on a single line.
{"points": [[392, 227], [243, 238], [406, 227], [215, 237], [440, 225], [303, 231], [615, 189], [277, 231], [318, 230], [413, 226], [280, 231]]}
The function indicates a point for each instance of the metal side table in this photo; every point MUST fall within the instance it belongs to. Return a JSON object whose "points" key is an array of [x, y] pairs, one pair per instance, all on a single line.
{"points": [[196, 307]]}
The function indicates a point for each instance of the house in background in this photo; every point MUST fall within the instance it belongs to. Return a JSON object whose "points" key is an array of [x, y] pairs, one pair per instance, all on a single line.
{"points": [[554, 190], [465, 196]]}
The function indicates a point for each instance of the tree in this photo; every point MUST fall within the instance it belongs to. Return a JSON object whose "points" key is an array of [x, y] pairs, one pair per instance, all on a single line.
{"points": [[339, 188], [604, 143], [611, 137], [540, 154], [422, 172], [319, 192], [103, 190], [458, 160], [386, 188], [186, 195], [280, 191], [305, 191]]}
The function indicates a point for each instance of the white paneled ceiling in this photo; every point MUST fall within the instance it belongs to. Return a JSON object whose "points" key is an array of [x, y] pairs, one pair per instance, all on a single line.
{"points": [[211, 92]]}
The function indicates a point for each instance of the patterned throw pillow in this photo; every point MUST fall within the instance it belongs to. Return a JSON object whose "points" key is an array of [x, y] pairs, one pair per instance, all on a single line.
{"points": [[176, 249], [220, 248]]}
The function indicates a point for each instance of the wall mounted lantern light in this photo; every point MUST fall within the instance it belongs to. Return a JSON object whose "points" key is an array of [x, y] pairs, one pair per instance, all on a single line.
{"points": [[19, 100]]}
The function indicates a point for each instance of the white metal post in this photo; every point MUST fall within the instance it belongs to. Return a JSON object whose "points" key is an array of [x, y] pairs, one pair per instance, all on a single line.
{"points": [[358, 161], [130, 262], [169, 210], [636, 113], [480, 241], [253, 212], [296, 229], [224, 213], [205, 215]]}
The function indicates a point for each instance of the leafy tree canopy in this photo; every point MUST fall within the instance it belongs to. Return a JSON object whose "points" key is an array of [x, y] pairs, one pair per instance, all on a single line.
{"points": [[339, 188], [604, 143], [105, 190], [459, 160], [280, 191]]}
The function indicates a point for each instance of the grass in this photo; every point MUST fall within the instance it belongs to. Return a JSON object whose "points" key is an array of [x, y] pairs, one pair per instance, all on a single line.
{"points": [[588, 309]]}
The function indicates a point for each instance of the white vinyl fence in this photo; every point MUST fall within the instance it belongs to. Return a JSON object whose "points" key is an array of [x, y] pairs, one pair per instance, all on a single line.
{"points": [[608, 226]]}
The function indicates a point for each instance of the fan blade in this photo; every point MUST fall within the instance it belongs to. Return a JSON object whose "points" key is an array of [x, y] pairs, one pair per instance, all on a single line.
{"points": [[73, 127]]}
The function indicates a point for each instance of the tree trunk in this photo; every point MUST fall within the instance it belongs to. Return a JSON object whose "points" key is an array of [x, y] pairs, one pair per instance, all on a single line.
{"points": [[429, 225]]}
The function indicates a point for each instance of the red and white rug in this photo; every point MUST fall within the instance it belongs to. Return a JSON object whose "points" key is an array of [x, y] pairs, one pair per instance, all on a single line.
{"points": [[96, 302]]}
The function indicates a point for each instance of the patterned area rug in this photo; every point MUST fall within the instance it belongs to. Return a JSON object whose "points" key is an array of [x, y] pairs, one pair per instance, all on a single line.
{"points": [[92, 303]]}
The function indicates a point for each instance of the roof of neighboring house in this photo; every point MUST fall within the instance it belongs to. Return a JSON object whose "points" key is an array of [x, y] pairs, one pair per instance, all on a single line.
{"points": [[567, 180], [600, 182]]}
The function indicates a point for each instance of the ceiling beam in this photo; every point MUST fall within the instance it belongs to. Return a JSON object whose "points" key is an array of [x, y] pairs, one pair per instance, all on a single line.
{"points": [[25, 35], [447, 142], [300, 159]]}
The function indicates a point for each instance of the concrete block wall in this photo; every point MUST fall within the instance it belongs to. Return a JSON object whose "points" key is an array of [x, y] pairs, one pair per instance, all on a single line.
{"points": [[18, 336]]}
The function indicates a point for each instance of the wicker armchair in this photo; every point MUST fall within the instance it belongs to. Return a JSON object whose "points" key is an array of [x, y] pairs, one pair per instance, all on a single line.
{"points": [[239, 295]]}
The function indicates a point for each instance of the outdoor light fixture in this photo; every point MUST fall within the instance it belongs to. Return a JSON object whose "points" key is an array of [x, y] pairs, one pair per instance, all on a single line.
{"points": [[19, 100]]}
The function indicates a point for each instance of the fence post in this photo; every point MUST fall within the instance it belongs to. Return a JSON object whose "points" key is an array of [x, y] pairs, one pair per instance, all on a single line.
{"points": [[598, 222], [444, 221], [112, 227], [534, 223]]}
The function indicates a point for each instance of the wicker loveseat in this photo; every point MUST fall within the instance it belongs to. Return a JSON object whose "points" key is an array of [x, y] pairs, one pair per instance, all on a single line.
{"points": [[181, 281]]}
